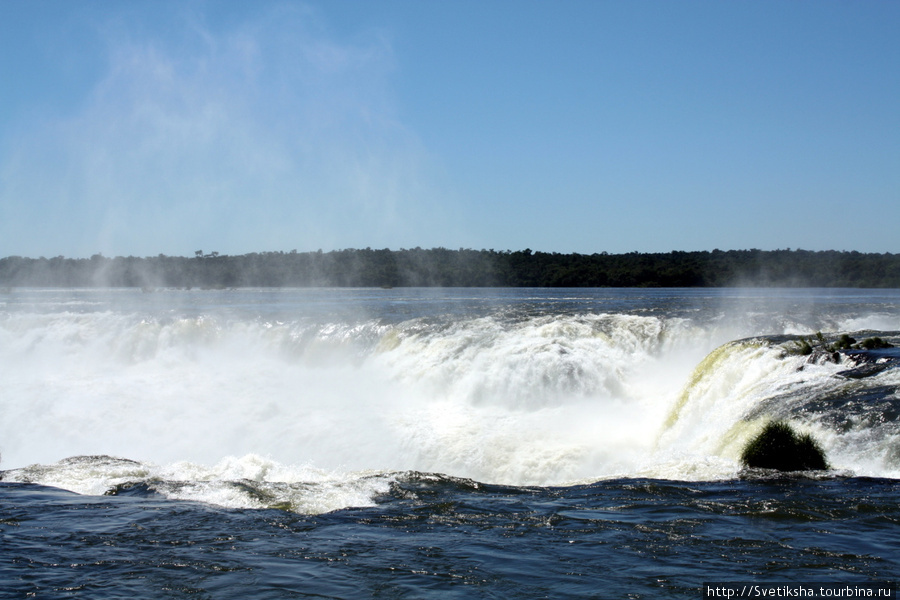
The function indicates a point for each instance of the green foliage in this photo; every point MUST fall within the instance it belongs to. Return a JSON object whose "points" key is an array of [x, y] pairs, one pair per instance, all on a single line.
{"points": [[820, 346], [802, 347], [806, 346], [873, 343], [463, 267], [779, 447], [845, 342]]}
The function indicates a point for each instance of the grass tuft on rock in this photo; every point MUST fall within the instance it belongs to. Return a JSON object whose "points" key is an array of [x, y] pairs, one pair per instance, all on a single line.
{"points": [[779, 447]]}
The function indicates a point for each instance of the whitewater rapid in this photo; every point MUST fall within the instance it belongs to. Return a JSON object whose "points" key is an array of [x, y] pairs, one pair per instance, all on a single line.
{"points": [[320, 412]]}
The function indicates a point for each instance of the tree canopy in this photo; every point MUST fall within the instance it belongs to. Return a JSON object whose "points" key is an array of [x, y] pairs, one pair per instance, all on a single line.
{"points": [[442, 267]]}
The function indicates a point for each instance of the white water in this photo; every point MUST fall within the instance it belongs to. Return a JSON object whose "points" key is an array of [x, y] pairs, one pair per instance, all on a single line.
{"points": [[336, 406]]}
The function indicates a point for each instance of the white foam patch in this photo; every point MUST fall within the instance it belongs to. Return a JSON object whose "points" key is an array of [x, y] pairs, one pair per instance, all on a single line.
{"points": [[235, 482]]}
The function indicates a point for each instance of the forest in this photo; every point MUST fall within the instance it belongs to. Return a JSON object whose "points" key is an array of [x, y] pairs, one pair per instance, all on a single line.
{"points": [[442, 267]]}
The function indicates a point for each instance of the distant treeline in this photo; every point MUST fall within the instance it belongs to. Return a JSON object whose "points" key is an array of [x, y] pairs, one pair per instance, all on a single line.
{"points": [[460, 268]]}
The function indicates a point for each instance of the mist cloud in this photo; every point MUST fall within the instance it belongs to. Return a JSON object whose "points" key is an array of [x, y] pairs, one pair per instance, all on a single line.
{"points": [[273, 134]]}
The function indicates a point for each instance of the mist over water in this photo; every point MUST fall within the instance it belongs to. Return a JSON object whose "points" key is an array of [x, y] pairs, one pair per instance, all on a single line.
{"points": [[336, 390], [261, 132]]}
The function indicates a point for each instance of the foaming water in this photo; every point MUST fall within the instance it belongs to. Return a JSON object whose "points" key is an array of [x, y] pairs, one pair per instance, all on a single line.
{"points": [[187, 389], [545, 400], [315, 399], [247, 482]]}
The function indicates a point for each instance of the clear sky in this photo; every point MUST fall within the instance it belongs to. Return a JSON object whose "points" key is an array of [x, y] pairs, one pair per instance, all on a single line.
{"points": [[148, 127]]}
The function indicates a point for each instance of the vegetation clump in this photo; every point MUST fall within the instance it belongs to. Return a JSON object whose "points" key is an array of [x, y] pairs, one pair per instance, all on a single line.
{"points": [[819, 345], [873, 343], [779, 447], [802, 347], [845, 342]]}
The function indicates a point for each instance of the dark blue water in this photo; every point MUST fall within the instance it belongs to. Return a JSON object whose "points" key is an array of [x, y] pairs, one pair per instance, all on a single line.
{"points": [[444, 538]]}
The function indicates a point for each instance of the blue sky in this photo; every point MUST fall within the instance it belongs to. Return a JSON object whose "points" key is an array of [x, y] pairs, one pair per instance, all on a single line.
{"points": [[139, 128]]}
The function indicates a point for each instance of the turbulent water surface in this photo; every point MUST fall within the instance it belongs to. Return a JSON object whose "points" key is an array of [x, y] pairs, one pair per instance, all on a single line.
{"points": [[410, 443]]}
